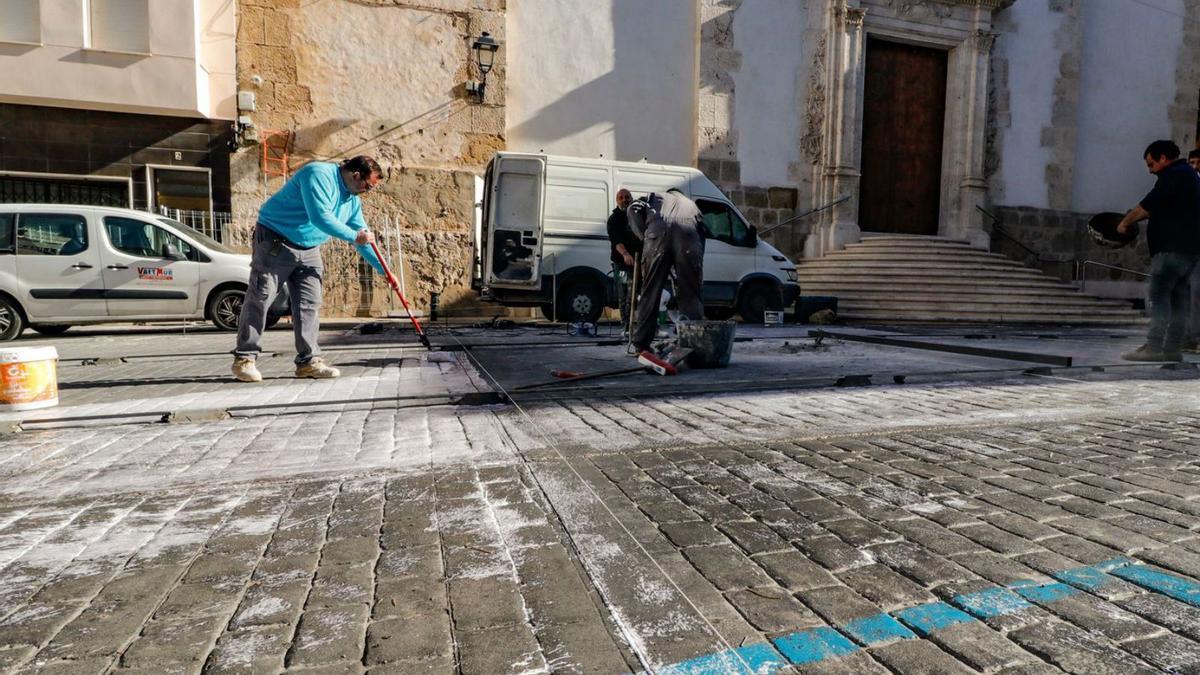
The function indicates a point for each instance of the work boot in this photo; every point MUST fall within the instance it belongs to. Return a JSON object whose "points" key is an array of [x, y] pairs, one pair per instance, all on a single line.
{"points": [[1145, 353], [317, 369], [1173, 355], [245, 370], [1191, 347]]}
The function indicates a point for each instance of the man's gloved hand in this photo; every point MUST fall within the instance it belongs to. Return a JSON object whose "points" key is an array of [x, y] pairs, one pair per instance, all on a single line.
{"points": [[364, 237], [628, 260]]}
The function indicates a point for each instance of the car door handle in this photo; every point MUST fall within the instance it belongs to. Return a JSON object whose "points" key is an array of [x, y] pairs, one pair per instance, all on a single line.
{"points": [[82, 266], [116, 267]]}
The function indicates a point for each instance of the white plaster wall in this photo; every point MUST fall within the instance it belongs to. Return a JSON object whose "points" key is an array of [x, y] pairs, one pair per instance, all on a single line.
{"points": [[776, 59], [612, 78], [1033, 60], [62, 73], [1128, 85]]}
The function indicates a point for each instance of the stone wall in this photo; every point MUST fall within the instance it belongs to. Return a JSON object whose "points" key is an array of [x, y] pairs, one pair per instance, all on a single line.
{"points": [[1056, 240], [384, 78]]}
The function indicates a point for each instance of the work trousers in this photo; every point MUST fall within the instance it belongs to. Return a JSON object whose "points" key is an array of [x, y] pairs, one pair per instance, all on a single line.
{"points": [[274, 262], [669, 245], [1170, 296], [1193, 336], [622, 281]]}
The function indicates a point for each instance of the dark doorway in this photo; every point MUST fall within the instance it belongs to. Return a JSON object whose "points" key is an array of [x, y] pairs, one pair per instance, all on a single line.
{"points": [[904, 114]]}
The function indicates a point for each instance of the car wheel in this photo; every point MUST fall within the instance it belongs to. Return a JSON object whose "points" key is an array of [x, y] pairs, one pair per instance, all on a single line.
{"points": [[580, 301], [756, 299], [51, 329], [226, 308], [718, 313], [11, 320]]}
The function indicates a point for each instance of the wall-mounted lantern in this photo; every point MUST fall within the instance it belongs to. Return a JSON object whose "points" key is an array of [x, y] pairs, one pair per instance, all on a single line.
{"points": [[485, 48]]}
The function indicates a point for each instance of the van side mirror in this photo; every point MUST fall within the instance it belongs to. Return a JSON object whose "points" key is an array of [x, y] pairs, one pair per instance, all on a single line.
{"points": [[171, 253]]}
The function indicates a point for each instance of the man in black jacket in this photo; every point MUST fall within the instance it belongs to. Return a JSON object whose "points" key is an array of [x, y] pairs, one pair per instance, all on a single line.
{"points": [[1173, 207], [624, 247]]}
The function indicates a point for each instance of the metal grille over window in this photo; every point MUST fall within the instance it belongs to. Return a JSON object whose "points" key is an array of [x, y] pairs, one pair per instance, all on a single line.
{"points": [[31, 190]]}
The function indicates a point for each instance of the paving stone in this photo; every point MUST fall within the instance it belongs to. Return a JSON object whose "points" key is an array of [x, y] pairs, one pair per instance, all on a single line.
{"points": [[329, 635], [1074, 650], [918, 563], [772, 609], [858, 532], [182, 642], [552, 588], [71, 667], [36, 623], [726, 567], [884, 587], [1172, 558], [834, 554], [485, 603], [692, 533], [1106, 534], [200, 600], [419, 637], [583, 647], [858, 663], [918, 656], [998, 569], [356, 551], [1172, 653], [263, 606], [342, 585], [998, 540], [837, 604], [506, 649], [934, 537], [13, 656], [1094, 614], [980, 647], [1174, 615], [251, 650], [754, 537], [795, 571]]}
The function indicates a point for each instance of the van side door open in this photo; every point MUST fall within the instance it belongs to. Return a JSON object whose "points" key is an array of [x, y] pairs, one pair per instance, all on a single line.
{"points": [[513, 254]]}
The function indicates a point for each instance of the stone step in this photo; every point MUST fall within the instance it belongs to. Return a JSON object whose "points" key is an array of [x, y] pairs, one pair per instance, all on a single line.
{"points": [[969, 316], [910, 244], [853, 268], [919, 283], [851, 306], [892, 258], [919, 251], [876, 237], [971, 297]]}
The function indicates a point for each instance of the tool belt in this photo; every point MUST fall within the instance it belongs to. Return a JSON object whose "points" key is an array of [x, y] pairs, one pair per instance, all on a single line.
{"points": [[278, 240]]}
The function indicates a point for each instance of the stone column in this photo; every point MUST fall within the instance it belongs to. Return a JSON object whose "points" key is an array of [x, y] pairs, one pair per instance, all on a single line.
{"points": [[972, 187], [840, 170]]}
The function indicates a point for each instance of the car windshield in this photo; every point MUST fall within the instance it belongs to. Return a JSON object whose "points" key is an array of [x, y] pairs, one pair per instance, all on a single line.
{"points": [[205, 240]]}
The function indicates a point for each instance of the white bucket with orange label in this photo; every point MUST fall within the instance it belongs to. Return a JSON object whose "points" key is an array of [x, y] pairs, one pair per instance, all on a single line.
{"points": [[28, 378]]}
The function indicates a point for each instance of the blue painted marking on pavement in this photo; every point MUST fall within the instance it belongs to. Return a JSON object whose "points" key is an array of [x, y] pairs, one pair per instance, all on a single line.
{"points": [[991, 602], [931, 617], [761, 659], [876, 629], [814, 645], [1042, 593], [819, 644], [1170, 585]]}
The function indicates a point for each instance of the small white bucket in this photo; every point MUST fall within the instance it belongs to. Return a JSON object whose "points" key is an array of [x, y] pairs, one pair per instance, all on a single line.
{"points": [[28, 378]]}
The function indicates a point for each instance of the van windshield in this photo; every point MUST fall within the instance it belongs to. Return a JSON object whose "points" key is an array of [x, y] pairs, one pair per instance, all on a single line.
{"points": [[205, 240]]}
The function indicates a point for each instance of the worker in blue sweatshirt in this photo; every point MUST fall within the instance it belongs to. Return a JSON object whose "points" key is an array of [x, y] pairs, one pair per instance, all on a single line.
{"points": [[319, 202]]}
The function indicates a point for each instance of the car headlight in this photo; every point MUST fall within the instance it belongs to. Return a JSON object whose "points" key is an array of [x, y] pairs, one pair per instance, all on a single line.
{"points": [[791, 273]]}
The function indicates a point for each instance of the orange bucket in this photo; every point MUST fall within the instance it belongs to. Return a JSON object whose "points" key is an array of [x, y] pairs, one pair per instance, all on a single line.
{"points": [[28, 378]]}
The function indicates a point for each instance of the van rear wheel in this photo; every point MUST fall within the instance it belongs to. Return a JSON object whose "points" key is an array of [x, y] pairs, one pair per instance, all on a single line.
{"points": [[580, 301], [756, 299], [12, 322]]}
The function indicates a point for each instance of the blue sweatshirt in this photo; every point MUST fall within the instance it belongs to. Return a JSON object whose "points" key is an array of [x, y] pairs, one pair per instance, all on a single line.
{"points": [[315, 205]]}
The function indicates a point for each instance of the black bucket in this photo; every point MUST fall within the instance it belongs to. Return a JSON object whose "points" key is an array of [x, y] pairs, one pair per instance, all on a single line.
{"points": [[711, 342]]}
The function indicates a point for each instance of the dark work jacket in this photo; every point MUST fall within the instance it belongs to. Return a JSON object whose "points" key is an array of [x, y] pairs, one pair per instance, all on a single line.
{"points": [[1174, 207], [619, 233]]}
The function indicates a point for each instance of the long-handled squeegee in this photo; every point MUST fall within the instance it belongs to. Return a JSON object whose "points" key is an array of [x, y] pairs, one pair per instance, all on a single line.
{"points": [[391, 279]]}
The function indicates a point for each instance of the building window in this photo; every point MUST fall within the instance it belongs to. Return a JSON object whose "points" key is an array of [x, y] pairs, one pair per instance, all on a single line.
{"points": [[63, 190], [119, 25], [21, 21]]}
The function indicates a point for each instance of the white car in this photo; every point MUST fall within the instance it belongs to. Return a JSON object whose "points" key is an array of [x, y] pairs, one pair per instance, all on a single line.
{"points": [[63, 265]]}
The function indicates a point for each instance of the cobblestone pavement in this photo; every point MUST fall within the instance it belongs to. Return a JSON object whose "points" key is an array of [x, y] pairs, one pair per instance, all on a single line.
{"points": [[1030, 524]]}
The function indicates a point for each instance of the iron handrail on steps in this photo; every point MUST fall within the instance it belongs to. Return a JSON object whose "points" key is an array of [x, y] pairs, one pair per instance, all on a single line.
{"points": [[1081, 271], [1000, 230]]}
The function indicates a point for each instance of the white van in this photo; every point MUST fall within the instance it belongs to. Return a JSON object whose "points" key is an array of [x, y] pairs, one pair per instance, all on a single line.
{"points": [[541, 241], [64, 265]]}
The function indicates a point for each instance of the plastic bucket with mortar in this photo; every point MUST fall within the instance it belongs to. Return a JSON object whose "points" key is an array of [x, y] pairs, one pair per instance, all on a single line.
{"points": [[28, 378], [711, 342]]}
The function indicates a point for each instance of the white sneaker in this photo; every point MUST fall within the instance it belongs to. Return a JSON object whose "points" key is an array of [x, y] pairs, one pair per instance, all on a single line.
{"points": [[317, 369], [245, 370]]}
